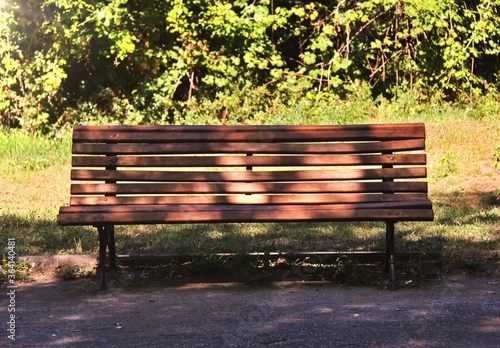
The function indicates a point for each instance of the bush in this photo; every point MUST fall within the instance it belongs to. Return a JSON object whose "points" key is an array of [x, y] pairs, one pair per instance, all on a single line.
{"points": [[65, 62]]}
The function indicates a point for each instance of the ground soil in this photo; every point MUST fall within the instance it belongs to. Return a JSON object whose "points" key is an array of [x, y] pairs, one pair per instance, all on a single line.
{"points": [[456, 309]]}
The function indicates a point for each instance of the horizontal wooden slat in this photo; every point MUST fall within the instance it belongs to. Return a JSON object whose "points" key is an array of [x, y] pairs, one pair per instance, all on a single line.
{"points": [[243, 161], [417, 127], [242, 207], [247, 176], [249, 188], [275, 215], [254, 134], [243, 148], [276, 137], [248, 199]]}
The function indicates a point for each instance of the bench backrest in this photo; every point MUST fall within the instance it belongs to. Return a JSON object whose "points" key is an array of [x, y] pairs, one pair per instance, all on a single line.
{"points": [[365, 166]]}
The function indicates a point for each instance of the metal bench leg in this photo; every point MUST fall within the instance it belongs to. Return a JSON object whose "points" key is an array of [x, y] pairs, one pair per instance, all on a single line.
{"points": [[112, 247], [101, 267], [389, 254]]}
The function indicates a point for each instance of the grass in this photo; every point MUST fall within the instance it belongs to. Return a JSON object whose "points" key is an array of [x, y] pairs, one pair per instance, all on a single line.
{"points": [[19, 152], [464, 186]]}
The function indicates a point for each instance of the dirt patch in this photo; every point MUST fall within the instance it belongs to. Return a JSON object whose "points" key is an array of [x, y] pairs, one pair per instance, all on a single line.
{"points": [[454, 309]]}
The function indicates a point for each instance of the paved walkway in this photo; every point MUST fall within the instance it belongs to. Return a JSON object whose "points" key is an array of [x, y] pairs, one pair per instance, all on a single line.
{"points": [[456, 311]]}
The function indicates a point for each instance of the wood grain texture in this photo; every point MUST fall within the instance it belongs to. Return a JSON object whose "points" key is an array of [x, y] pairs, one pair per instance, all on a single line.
{"points": [[180, 174]]}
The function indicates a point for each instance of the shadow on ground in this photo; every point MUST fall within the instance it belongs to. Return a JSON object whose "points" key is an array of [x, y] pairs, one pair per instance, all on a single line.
{"points": [[471, 219], [453, 311]]}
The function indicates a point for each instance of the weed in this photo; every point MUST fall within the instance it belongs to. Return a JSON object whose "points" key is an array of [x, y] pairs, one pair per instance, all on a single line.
{"points": [[73, 272], [416, 271], [170, 270], [496, 159], [131, 277], [22, 270], [349, 270], [473, 265], [447, 165]]}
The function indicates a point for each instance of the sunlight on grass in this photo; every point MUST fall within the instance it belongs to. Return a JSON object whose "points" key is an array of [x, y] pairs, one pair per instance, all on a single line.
{"points": [[465, 190], [22, 152]]}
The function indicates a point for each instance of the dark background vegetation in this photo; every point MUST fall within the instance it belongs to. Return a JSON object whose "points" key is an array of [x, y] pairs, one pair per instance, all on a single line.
{"points": [[226, 62]]}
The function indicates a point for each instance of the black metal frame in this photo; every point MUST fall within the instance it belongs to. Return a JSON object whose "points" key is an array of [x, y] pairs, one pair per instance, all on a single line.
{"points": [[107, 242], [389, 256]]}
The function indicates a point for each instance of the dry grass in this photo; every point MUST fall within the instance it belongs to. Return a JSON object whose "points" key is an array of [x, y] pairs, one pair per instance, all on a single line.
{"points": [[464, 187]]}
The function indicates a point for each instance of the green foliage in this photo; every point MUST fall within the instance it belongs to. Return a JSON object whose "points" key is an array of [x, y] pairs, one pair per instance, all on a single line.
{"points": [[226, 62]]}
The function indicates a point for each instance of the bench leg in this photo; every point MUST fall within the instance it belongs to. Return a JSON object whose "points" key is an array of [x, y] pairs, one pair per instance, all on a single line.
{"points": [[389, 256], [101, 267], [111, 247]]}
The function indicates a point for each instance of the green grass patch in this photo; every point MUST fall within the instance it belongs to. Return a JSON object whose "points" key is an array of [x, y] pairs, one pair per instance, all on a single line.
{"points": [[464, 187], [20, 151]]}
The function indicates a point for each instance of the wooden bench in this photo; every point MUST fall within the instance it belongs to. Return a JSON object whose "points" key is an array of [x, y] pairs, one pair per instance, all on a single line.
{"points": [[223, 174]]}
